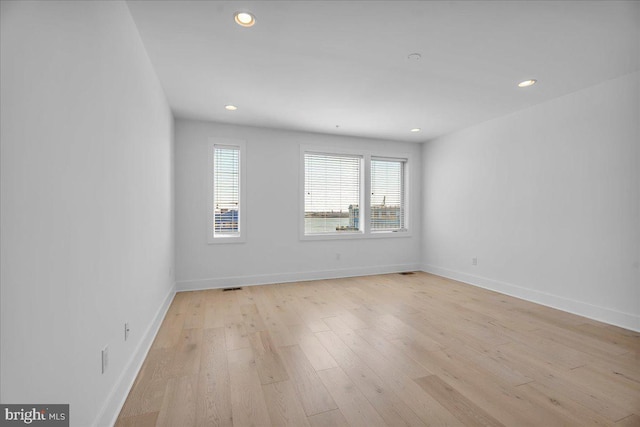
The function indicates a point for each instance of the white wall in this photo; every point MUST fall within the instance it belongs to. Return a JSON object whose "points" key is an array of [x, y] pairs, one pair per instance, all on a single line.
{"points": [[547, 199], [87, 202], [273, 251]]}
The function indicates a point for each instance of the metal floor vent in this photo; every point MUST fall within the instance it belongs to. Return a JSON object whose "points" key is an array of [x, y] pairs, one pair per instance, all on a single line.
{"points": [[231, 289], [407, 273]]}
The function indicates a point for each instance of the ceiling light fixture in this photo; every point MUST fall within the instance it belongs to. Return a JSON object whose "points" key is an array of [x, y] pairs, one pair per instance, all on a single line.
{"points": [[416, 130], [414, 57], [244, 19], [231, 107], [527, 83]]}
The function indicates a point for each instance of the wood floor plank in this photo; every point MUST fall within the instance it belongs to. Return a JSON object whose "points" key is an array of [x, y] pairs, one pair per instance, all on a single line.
{"points": [[352, 403], [632, 420], [219, 306], [276, 318], [388, 405], [251, 317], [461, 407], [214, 351], [180, 303], [501, 400], [247, 399], [214, 399], [285, 409], [611, 334], [553, 400], [170, 331], [328, 419], [214, 390], [401, 360], [318, 356], [421, 403], [235, 333], [558, 379], [147, 392], [390, 349], [179, 405], [491, 365], [313, 394], [188, 352], [583, 343], [268, 362], [195, 311], [145, 420], [625, 393]]}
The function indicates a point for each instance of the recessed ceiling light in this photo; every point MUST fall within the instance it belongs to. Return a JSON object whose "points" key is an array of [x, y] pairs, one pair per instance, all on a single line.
{"points": [[244, 19], [527, 83], [416, 130], [231, 107]]}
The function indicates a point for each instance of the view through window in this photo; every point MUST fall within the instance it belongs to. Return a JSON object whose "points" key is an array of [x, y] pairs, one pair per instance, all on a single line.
{"points": [[226, 191], [387, 195], [331, 193]]}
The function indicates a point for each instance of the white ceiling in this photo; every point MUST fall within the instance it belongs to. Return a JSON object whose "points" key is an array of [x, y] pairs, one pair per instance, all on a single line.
{"points": [[312, 65]]}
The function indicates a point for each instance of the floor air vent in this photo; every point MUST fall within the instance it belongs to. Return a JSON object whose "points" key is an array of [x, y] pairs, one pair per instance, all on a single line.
{"points": [[231, 289]]}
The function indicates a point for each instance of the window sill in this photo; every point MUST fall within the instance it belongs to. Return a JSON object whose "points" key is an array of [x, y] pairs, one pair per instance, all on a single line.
{"points": [[226, 240], [356, 236]]}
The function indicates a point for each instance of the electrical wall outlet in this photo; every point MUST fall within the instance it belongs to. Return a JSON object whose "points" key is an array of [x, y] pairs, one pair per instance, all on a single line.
{"points": [[338, 255], [105, 359], [474, 261], [126, 331]]}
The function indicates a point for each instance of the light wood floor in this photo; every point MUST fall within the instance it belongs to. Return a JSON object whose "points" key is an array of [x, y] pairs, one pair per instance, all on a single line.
{"points": [[382, 350]]}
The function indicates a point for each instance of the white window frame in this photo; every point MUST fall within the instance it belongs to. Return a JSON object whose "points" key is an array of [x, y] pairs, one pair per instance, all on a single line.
{"points": [[405, 180], [365, 190], [241, 236]]}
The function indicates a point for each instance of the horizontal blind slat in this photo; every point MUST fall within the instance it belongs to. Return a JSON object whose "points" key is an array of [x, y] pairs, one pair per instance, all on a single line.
{"points": [[226, 190], [332, 193], [387, 195]]}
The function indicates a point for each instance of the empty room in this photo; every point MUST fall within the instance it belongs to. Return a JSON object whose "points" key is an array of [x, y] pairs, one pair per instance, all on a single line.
{"points": [[319, 213]]}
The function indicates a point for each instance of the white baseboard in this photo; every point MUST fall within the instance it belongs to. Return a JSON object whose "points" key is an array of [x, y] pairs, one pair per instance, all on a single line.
{"points": [[111, 409], [265, 279], [601, 314]]}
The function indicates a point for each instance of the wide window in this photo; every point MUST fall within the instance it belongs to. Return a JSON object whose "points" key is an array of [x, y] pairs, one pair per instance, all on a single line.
{"points": [[226, 191], [387, 208], [332, 193], [353, 194]]}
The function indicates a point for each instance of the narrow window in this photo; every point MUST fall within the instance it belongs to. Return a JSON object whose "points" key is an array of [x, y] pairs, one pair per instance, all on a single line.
{"points": [[387, 195], [227, 213]]}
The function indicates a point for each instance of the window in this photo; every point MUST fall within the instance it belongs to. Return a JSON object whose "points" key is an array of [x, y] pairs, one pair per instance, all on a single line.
{"points": [[225, 210], [331, 193], [387, 209], [350, 194]]}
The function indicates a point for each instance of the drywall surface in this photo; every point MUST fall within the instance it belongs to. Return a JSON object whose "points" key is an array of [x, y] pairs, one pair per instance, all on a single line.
{"points": [[547, 200], [273, 251], [87, 202]]}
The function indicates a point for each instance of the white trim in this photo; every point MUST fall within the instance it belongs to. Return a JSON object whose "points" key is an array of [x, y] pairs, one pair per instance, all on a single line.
{"points": [[601, 314], [241, 237], [267, 279], [405, 196], [109, 412]]}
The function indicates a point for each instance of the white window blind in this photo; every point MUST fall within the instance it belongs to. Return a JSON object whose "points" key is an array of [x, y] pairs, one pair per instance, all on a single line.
{"points": [[387, 195], [226, 191], [331, 193]]}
